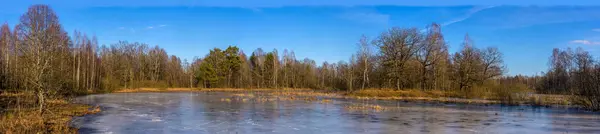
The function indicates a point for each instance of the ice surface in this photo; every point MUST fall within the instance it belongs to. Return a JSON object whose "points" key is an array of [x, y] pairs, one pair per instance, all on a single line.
{"points": [[196, 112]]}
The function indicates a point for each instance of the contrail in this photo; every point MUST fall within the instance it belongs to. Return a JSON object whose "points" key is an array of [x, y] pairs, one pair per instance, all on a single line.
{"points": [[468, 15]]}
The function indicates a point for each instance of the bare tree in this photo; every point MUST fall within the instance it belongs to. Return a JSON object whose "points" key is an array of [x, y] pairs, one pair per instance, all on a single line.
{"points": [[363, 56], [5, 56], [41, 37], [432, 52], [492, 63], [397, 47], [466, 66]]}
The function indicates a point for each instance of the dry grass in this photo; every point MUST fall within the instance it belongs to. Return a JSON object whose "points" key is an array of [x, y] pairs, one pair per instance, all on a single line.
{"points": [[326, 101], [365, 107], [402, 93], [254, 90], [306, 93], [550, 99], [25, 118], [454, 97], [309, 95], [273, 95], [249, 95], [135, 90], [226, 99], [416, 95], [209, 90]]}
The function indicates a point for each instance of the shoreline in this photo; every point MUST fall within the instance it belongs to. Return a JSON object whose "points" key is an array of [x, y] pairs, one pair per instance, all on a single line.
{"points": [[537, 100], [21, 115]]}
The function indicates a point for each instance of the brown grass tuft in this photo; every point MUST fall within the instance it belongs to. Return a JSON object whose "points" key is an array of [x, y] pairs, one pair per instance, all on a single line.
{"points": [[365, 107], [23, 117]]}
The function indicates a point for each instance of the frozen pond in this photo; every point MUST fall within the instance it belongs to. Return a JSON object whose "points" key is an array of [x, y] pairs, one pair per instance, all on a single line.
{"points": [[216, 112]]}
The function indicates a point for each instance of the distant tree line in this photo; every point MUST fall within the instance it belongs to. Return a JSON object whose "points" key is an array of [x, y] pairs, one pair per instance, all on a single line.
{"points": [[400, 58], [38, 55], [573, 73]]}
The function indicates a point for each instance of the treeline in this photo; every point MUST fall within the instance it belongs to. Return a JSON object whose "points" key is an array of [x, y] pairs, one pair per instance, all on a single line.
{"points": [[400, 58], [38, 55], [573, 73], [134, 65]]}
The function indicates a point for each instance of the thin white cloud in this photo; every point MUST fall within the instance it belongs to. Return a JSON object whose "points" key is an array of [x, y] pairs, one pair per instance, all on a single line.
{"points": [[367, 17], [157, 26], [132, 30], [596, 30], [584, 42], [466, 16]]}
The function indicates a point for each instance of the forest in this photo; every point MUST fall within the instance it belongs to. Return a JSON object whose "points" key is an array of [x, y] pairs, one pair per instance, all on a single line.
{"points": [[37, 55]]}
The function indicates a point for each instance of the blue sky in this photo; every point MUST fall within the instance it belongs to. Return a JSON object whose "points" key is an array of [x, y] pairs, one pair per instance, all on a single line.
{"points": [[525, 31]]}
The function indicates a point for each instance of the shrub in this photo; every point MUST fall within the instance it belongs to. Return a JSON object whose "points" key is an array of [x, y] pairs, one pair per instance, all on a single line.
{"points": [[151, 84], [109, 85], [588, 101], [402, 93], [511, 93]]}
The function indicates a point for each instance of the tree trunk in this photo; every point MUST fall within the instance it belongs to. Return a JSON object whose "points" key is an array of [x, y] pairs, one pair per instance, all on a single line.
{"points": [[424, 78], [77, 75], [41, 101], [397, 83], [365, 74]]}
